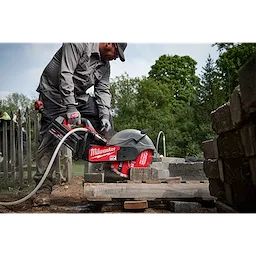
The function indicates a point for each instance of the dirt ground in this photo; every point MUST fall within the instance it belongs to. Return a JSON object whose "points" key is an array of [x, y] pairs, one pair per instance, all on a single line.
{"points": [[69, 198], [64, 199]]}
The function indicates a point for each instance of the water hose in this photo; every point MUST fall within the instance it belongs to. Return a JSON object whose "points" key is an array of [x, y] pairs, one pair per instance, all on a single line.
{"points": [[47, 169]]}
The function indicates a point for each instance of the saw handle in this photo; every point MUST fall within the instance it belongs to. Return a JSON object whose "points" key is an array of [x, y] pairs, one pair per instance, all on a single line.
{"points": [[85, 123]]}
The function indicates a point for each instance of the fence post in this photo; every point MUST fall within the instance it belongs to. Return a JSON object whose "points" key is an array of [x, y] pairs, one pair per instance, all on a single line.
{"points": [[5, 151], [16, 146], [12, 148], [20, 147], [27, 141]]}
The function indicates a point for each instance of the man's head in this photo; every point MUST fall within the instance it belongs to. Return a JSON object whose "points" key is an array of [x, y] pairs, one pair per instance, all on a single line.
{"points": [[121, 45], [111, 51]]}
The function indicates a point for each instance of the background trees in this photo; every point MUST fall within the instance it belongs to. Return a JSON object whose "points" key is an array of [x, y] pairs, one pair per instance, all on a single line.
{"points": [[172, 98]]}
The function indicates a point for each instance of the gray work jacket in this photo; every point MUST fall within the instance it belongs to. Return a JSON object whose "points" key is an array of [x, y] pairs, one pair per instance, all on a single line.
{"points": [[72, 71]]}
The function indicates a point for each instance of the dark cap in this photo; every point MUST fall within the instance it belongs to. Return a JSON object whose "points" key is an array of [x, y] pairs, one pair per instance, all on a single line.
{"points": [[121, 47]]}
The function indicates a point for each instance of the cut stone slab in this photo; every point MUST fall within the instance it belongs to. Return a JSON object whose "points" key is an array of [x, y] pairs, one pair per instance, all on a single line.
{"points": [[248, 136], [211, 168]]}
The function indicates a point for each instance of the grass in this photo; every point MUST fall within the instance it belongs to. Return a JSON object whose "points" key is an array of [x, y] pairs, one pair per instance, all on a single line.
{"points": [[78, 168]]}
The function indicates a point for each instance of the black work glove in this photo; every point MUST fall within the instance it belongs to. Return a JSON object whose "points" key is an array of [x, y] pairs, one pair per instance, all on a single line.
{"points": [[73, 115], [105, 125]]}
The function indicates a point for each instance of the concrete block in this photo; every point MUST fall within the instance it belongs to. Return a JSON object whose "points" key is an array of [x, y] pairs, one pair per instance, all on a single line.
{"points": [[220, 167], [217, 189], [238, 115], [211, 168], [237, 170], [188, 171], [248, 136], [247, 82], [184, 207], [140, 174], [173, 160], [160, 165], [208, 149], [252, 162], [230, 145], [215, 148], [221, 119], [163, 174], [228, 194], [94, 177]]}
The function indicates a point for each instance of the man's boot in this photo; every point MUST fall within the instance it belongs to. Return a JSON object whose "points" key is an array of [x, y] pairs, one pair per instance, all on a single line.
{"points": [[42, 198]]}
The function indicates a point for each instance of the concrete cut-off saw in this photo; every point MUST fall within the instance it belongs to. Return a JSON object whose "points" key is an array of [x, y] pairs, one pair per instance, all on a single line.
{"points": [[126, 149]]}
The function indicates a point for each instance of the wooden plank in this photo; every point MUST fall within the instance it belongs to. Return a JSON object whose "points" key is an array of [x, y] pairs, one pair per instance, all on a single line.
{"points": [[12, 148], [20, 147], [99, 191], [28, 145], [5, 151], [135, 205]]}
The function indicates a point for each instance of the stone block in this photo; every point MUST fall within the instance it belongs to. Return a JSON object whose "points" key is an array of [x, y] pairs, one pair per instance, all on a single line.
{"points": [[220, 167], [228, 194], [144, 174], [94, 177], [237, 170], [247, 82], [248, 136], [252, 162], [238, 115], [208, 149], [221, 119], [217, 189], [230, 145], [188, 171], [211, 168], [163, 174], [184, 207]]}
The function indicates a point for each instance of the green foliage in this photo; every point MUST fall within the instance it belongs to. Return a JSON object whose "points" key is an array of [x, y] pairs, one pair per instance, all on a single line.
{"points": [[210, 91], [232, 57], [179, 73], [124, 93], [164, 101], [15, 101], [174, 100], [223, 46]]}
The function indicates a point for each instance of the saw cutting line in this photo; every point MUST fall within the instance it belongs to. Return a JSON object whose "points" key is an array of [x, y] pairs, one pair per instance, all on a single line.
{"points": [[47, 169]]}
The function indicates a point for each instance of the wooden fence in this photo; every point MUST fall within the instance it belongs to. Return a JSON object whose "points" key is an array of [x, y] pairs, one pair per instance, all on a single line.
{"points": [[18, 149]]}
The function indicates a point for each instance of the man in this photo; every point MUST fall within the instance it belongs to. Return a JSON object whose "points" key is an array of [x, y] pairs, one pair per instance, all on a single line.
{"points": [[63, 90]]}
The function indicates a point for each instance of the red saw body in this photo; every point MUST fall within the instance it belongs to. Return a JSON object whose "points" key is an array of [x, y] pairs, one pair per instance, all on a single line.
{"points": [[126, 149]]}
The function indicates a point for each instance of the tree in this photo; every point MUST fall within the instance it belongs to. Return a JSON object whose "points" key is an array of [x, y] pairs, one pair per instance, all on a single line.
{"points": [[177, 73], [15, 101], [210, 96], [231, 58], [124, 93], [210, 91]]}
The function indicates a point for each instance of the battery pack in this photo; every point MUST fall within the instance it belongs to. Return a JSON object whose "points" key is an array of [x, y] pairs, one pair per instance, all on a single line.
{"points": [[59, 130]]}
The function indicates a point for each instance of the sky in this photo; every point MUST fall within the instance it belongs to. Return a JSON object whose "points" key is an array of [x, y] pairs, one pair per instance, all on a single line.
{"points": [[21, 64]]}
